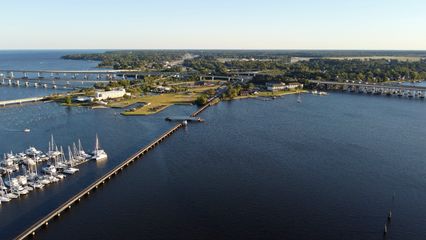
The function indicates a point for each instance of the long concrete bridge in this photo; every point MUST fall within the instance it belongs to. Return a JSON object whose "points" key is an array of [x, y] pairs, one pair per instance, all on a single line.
{"points": [[44, 222], [377, 89], [79, 74]]}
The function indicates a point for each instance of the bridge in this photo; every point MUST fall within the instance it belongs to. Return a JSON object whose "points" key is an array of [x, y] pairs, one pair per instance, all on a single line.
{"points": [[377, 89], [44, 222], [42, 84], [79, 74]]}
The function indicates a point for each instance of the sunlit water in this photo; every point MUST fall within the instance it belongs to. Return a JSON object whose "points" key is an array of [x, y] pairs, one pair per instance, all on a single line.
{"points": [[327, 168]]}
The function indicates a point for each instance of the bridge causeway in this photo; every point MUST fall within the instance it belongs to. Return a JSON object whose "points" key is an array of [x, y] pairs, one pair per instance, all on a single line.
{"points": [[378, 89]]}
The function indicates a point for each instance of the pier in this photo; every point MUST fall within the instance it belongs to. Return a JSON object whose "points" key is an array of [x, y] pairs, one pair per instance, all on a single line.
{"points": [[183, 118], [31, 231], [21, 101]]}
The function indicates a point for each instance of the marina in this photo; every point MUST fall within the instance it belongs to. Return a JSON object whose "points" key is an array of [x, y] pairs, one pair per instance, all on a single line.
{"points": [[23, 172]]}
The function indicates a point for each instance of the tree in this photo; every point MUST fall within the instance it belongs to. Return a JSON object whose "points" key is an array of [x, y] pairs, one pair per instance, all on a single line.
{"points": [[68, 100], [201, 100]]}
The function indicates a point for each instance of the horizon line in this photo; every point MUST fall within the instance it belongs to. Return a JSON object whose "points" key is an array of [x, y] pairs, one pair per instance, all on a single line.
{"points": [[210, 49]]}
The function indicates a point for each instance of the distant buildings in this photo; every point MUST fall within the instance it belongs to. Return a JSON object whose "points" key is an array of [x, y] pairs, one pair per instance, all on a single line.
{"points": [[162, 89], [283, 86], [82, 99], [104, 95], [275, 86], [294, 85]]}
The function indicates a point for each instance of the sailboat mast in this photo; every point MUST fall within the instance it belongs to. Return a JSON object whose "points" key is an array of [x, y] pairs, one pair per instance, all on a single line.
{"points": [[70, 155]]}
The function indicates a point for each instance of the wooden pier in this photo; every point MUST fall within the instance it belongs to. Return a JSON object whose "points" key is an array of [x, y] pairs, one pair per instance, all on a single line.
{"points": [[102, 180]]}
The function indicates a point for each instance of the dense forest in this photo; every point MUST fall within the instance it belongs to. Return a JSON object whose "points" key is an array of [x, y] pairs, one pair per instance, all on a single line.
{"points": [[272, 64], [147, 59]]}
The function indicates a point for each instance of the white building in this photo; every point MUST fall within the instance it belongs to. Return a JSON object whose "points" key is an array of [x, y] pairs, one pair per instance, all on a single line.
{"points": [[275, 86], [104, 95], [283, 86], [294, 85], [162, 89]]}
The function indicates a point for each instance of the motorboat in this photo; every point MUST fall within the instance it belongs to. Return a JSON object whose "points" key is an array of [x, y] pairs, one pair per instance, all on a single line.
{"points": [[49, 169], [32, 151], [70, 170]]}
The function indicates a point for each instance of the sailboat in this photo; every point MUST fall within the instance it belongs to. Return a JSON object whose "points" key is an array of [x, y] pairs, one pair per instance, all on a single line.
{"points": [[299, 98], [99, 154]]}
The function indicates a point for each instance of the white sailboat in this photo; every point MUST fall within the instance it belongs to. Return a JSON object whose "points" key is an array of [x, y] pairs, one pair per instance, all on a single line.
{"points": [[99, 154]]}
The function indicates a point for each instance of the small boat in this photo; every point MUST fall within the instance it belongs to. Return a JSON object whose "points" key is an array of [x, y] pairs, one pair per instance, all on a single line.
{"points": [[44, 181], [60, 176], [70, 170], [49, 169], [27, 130], [4, 198], [12, 195], [36, 185], [32, 151]]}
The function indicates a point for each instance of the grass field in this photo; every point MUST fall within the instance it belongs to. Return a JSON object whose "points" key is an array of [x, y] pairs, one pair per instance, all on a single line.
{"points": [[156, 103]]}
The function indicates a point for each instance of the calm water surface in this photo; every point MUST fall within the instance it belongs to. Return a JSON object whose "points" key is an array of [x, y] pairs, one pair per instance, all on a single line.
{"points": [[39, 60], [120, 137], [326, 168]]}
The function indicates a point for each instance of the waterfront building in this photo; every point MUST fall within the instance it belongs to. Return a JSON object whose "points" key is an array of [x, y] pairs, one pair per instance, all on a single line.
{"points": [[162, 89], [104, 95], [83, 99], [293, 85], [275, 86]]}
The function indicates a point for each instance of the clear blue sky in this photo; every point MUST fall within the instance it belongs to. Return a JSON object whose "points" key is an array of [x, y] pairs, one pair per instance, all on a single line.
{"points": [[213, 24]]}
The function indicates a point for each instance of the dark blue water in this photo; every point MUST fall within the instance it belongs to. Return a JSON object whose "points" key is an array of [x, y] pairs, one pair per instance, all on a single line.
{"points": [[10, 93], [44, 60], [120, 137], [326, 168], [40, 60]]}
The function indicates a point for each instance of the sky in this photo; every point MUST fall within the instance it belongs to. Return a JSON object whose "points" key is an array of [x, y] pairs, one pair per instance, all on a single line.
{"points": [[213, 24]]}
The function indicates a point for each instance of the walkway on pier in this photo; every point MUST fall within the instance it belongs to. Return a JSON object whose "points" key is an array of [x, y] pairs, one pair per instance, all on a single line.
{"points": [[21, 101]]}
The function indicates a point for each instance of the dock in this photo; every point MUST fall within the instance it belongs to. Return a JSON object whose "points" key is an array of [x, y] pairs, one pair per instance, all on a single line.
{"points": [[183, 118], [43, 222]]}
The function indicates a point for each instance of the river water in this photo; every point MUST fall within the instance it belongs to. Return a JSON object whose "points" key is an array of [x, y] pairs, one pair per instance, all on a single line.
{"points": [[326, 168], [39, 60]]}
